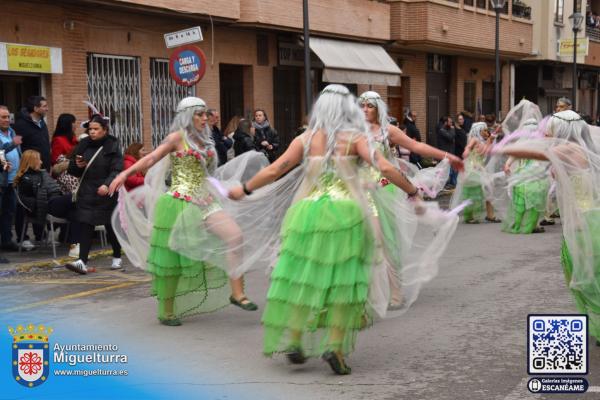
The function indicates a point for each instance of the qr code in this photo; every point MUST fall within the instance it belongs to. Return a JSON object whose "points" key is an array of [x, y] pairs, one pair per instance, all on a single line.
{"points": [[557, 344]]}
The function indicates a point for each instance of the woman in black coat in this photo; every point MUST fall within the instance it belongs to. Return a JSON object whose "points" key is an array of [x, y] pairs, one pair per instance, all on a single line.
{"points": [[243, 138], [101, 154], [265, 138]]}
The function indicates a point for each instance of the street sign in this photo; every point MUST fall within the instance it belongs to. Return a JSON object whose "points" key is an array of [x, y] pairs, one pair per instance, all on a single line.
{"points": [[185, 36], [187, 65]]}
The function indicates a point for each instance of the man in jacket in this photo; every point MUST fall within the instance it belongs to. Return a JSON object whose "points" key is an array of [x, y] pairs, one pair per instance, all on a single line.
{"points": [[412, 132], [446, 142], [32, 127], [9, 144], [222, 142]]}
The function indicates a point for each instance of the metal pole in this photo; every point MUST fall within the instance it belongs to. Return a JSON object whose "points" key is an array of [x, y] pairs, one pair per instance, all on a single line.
{"points": [[574, 94], [497, 88], [307, 78]]}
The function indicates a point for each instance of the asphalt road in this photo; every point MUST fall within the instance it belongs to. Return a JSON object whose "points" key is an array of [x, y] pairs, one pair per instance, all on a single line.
{"points": [[464, 338]]}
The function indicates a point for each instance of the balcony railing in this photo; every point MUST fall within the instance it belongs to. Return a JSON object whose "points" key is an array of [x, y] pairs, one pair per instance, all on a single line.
{"points": [[593, 33], [521, 10]]}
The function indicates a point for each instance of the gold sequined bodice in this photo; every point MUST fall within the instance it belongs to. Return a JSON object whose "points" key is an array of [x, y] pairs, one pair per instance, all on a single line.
{"points": [[329, 183], [188, 175]]}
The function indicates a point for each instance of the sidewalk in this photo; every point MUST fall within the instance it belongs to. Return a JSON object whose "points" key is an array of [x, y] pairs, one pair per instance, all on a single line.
{"points": [[41, 258]]}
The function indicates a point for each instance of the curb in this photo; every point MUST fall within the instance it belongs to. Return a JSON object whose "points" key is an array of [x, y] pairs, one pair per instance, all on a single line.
{"points": [[50, 263]]}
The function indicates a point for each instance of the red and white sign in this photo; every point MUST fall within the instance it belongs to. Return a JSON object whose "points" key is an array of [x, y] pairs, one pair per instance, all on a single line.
{"points": [[187, 65]]}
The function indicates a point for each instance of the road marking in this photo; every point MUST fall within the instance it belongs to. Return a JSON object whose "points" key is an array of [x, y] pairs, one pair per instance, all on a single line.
{"points": [[69, 297], [593, 389], [73, 281]]}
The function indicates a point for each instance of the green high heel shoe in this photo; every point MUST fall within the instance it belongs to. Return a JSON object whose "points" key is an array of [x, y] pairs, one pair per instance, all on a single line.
{"points": [[336, 363]]}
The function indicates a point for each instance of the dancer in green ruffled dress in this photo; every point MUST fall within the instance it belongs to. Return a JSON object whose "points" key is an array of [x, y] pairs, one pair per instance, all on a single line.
{"points": [[317, 301], [475, 181], [575, 164], [183, 286]]}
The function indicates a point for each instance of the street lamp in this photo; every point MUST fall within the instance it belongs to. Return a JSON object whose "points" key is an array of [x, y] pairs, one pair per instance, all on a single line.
{"points": [[576, 20], [497, 5], [307, 78]]}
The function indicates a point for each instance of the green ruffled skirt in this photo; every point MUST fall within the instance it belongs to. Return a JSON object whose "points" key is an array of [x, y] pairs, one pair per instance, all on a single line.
{"points": [[476, 210], [527, 207], [320, 285], [587, 297], [190, 286]]}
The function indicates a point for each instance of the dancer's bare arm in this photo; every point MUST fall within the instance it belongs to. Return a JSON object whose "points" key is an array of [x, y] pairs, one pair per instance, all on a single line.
{"points": [[386, 168], [171, 143], [398, 138], [287, 161]]}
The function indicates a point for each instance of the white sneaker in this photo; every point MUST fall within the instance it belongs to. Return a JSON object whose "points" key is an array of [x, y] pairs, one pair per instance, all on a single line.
{"points": [[117, 263], [77, 266], [27, 245], [74, 251]]}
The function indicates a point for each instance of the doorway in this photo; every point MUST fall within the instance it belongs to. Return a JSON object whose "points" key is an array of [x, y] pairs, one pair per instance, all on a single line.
{"points": [[231, 83], [287, 118], [15, 89]]}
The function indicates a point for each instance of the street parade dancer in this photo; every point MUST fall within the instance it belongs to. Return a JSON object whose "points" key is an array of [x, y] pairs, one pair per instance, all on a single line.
{"points": [[575, 162], [146, 216], [324, 286]]}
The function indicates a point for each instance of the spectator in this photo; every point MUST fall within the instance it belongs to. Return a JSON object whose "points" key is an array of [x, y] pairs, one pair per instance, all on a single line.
{"points": [[244, 138], [41, 195], [460, 141], [265, 138], [98, 160], [134, 152], [590, 20], [412, 132], [222, 142], [67, 182], [32, 127], [468, 118], [64, 139], [446, 141], [229, 132], [490, 120], [9, 144]]}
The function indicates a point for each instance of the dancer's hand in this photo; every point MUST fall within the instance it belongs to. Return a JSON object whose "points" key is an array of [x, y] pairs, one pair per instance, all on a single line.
{"points": [[116, 184], [506, 169], [236, 193], [102, 190], [456, 163]]}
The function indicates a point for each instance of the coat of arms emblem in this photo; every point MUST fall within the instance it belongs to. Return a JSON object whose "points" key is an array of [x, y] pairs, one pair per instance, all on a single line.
{"points": [[30, 354]]}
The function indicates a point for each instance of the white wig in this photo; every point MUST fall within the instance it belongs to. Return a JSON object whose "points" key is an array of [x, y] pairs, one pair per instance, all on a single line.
{"points": [[476, 130], [570, 126], [184, 122], [336, 111], [376, 101]]}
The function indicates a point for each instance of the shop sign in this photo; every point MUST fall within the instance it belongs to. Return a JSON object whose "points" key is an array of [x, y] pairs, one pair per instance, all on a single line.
{"points": [[25, 58], [291, 54], [565, 47], [187, 65]]}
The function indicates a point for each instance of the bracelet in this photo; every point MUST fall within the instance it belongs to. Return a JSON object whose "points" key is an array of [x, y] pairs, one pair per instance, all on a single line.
{"points": [[245, 189], [413, 194]]}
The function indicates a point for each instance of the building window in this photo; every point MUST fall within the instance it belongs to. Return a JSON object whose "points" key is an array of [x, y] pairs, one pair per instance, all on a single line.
{"points": [[262, 49], [164, 94], [438, 63], [114, 87], [488, 97], [559, 11], [468, 3], [481, 4], [469, 96]]}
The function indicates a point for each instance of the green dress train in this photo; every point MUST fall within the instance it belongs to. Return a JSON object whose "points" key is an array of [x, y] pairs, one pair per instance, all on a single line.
{"points": [[587, 291], [320, 285], [528, 201], [185, 285]]}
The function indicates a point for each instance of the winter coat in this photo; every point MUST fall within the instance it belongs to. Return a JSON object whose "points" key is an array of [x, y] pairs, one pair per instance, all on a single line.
{"points": [[242, 142], [35, 190], [135, 180], [413, 132], [61, 145], [445, 139], [460, 142], [222, 144], [35, 137], [270, 135], [91, 208]]}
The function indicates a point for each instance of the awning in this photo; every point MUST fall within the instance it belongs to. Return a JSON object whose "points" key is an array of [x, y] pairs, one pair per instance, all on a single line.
{"points": [[351, 62]]}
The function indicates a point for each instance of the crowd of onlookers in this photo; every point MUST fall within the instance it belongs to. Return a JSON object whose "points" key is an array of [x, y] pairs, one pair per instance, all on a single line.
{"points": [[65, 175]]}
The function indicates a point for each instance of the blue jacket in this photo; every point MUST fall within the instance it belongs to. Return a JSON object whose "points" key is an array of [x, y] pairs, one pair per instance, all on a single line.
{"points": [[12, 154]]}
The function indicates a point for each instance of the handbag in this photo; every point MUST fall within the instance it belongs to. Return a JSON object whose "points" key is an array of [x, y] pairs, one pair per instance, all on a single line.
{"points": [[74, 194]]}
